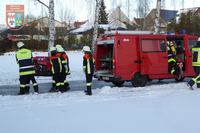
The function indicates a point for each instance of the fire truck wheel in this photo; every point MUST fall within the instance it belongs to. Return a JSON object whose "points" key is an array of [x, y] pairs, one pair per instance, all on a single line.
{"points": [[118, 83], [139, 80]]}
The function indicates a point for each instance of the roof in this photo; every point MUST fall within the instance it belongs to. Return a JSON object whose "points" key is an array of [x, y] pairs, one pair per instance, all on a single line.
{"points": [[168, 15]]}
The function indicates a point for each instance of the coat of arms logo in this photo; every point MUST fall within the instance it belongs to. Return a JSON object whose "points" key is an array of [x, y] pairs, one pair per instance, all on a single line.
{"points": [[15, 16]]}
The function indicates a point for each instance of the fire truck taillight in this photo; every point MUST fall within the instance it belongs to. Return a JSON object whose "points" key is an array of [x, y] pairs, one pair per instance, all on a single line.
{"points": [[113, 63]]}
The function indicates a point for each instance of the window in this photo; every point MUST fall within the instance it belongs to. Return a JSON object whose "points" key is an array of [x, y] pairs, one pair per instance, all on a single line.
{"points": [[153, 46], [192, 43]]}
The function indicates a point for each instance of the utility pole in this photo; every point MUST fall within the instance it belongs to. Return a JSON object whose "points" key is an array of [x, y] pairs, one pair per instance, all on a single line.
{"points": [[157, 23], [52, 30], [95, 32]]}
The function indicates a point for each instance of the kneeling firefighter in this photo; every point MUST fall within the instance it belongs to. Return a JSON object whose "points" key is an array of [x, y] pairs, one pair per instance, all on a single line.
{"points": [[172, 66]]}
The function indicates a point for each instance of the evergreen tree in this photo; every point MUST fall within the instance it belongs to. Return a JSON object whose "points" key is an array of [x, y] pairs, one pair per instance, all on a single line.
{"points": [[189, 22], [103, 16]]}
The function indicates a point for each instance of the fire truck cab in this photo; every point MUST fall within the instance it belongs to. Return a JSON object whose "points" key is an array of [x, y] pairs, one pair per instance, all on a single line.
{"points": [[139, 57]]}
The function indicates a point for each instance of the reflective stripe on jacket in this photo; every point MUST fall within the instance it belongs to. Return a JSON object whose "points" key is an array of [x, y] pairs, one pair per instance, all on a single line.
{"points": [[56, 64], [24, 59], [88, 63], [196, 56]]}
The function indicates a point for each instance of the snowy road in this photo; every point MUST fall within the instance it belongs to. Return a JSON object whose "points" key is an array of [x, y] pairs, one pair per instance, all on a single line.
{"points": [[77, 85], [44, 87]]}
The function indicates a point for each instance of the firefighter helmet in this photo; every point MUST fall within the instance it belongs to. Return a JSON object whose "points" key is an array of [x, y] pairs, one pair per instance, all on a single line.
{"points": [[20, 44], [52, 49], [86, 49], [59, 48]]}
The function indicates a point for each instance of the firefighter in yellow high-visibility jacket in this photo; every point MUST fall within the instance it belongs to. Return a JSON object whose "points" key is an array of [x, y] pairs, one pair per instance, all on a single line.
{"points": [[196, 65], [26, 69], [88, 67]]}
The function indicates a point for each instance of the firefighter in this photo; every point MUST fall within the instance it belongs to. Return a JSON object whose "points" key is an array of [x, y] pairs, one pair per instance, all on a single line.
{"points": [[173, 67], [171, 48], [26, 69], [88, 68], [65, 66], [56, 70], [196, 65]]}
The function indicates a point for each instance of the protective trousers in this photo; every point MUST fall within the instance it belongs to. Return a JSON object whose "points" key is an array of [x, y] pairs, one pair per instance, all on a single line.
{"points": [[57, 77], [25, 82], [89, 84], [196, 79]]}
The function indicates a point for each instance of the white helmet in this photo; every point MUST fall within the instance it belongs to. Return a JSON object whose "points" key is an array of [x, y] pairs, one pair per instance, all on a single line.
{"points": [[52, 49], [86, 49], [59, 48], [20, 44], [198, 39]]}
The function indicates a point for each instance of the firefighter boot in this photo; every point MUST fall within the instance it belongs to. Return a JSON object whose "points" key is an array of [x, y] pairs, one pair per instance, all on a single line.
{"points": [[22, 91], [27, 89], [191, 83], [53, 89], [88, 91], [66, 86], [35, 88], [62, 88]]}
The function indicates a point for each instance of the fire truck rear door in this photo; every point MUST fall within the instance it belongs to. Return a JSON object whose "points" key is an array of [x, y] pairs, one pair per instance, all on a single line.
{"points": [[153, 54]]}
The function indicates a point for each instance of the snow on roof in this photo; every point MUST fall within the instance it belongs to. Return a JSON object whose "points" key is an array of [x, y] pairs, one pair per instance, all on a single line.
{"points": [[83, 28], [186, 10], [116, 19]]}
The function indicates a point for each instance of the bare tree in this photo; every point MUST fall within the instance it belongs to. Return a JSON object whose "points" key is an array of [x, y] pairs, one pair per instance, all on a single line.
{"points": [[157, 23], [94, 5], [66, 17], [143, 7], [52, 30]]}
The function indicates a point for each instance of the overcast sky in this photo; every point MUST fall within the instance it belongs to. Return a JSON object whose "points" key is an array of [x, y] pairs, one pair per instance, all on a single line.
{"points": [[80, 9]]}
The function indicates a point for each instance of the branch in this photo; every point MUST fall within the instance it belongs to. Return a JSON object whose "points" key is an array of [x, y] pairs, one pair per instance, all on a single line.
{"points": [[43, 3]]}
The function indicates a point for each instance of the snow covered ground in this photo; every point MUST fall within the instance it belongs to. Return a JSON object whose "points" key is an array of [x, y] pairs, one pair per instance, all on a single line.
{"points": [[166, 108], [9, 70]]}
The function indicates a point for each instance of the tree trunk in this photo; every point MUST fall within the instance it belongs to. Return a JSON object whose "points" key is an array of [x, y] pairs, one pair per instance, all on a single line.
{"points": [[157, 23], [52, 30]]}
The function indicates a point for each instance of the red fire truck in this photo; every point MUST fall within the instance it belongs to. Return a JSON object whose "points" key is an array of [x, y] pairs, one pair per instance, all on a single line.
{"points": [[139, 57], [42, 65]]}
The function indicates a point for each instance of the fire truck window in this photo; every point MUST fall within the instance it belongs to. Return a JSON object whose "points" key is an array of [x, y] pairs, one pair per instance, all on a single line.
{"points": [[192, 43], [153, 46]]}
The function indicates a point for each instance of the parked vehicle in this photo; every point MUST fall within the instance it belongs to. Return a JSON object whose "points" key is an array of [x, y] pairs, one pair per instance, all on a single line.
{"points": [[42, 65], [139, 57]]}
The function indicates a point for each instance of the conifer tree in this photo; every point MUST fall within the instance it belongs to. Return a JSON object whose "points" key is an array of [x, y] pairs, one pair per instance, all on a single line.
{"points": [[103, 16]]}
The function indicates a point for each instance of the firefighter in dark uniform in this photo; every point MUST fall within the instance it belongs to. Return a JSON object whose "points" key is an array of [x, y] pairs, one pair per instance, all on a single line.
{"points": [[56, 70], [65, 66], [26, 69], [196, 65], [88, 68], [172, 64]]}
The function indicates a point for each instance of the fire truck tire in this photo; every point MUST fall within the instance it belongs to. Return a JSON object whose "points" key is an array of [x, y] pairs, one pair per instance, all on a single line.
{"points": [[139, 80], [118, 83]]}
